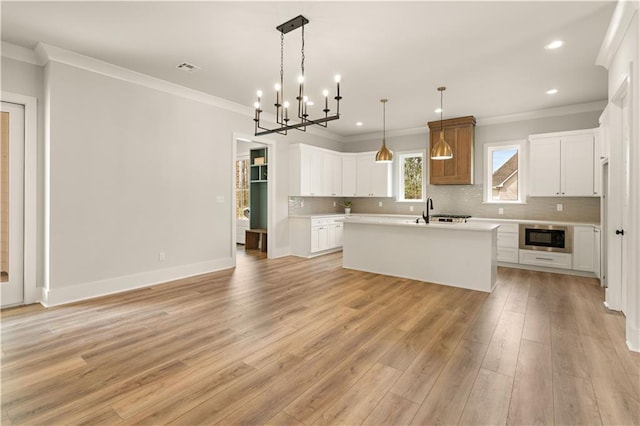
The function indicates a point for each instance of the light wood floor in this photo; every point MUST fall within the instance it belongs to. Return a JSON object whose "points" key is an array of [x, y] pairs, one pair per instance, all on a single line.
{"points": [[293, 341]]}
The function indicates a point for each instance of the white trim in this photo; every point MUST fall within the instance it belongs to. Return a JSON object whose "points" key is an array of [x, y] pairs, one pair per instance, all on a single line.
{"points": [[593, 131], [487, 186], [633, 337], [618, 25], [30, 191], [400, 175], [19, 53], [499, 119], [63, 295], [271, 192]]}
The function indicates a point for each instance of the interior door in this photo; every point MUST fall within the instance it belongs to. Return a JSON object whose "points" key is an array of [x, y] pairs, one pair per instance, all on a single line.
{"points": [[11, 204]]}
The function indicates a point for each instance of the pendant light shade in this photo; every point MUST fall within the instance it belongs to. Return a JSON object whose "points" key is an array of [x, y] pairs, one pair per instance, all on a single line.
{"points": [[384, 155], [441, 150]]}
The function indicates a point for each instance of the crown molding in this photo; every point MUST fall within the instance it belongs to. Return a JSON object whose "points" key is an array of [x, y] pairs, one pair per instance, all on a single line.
{"points": [[598, 106], [620, 21], [19, 53], [47, 53]]}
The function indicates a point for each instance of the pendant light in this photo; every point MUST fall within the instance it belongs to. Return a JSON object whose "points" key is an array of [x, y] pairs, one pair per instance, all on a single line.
{"points": [[441, 150], [384, 155]]}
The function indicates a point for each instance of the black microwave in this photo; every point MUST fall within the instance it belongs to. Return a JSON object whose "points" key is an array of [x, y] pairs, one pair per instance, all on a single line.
{"points": [[546, 238]]}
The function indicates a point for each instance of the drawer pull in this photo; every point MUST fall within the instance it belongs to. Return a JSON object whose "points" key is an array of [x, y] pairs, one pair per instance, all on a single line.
{"points": [[544, 258]]}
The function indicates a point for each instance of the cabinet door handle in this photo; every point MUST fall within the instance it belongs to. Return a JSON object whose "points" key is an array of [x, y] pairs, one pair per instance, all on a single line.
{"points": [[557, 193], [619, 231], [543, 258]]}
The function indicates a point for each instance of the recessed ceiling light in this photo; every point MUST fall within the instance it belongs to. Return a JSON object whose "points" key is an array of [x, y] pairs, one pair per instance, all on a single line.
{"points": [[359, 123], [438, 110], [554, 44], [552, 91]]}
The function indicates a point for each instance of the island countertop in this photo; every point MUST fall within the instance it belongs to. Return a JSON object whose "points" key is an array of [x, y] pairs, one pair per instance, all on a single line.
{"points": [[404, 222], [454, 254]]}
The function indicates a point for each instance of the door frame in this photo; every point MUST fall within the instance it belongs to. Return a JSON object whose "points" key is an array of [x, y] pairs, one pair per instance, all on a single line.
{"points": [[31, 293], [271, 191]]}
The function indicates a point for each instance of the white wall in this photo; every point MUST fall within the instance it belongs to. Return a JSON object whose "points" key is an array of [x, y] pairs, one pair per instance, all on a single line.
{"points": [[626, 62], [134, 169], [134, 172]]}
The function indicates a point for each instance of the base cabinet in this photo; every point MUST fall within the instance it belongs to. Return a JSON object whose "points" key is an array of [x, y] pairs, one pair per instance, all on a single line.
{"points": [[312, 236], [544, 258], [584, 248]]}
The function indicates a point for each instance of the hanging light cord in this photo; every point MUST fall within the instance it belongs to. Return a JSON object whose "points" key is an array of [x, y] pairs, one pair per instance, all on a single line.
{"points": [[302, 52], [384, 120], [441, 92]]}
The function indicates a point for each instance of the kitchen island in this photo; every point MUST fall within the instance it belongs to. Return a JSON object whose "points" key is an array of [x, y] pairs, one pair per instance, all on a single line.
{"points": [[458, 254]]}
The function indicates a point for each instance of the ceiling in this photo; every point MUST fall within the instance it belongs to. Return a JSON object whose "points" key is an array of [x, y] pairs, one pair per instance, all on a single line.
{"points": [[490, 55]]}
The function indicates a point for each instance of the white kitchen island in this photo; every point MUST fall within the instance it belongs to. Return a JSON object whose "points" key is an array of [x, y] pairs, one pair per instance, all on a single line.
{"points": [[459, 255]]}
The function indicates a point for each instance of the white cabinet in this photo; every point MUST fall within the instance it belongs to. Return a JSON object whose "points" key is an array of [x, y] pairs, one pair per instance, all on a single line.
{"points": [[507, 244], [372, 179], [544, 258], [562, 164], [584, 248], [332, 173], [312, 236], [349, 175], [314, 171]]}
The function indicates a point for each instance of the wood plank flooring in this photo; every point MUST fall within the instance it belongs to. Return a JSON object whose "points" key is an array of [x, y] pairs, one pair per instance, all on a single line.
{"points": [[304, 342]]}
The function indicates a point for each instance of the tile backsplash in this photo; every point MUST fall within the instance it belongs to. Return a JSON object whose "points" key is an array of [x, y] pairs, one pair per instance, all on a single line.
{"points": [[459, 199]]}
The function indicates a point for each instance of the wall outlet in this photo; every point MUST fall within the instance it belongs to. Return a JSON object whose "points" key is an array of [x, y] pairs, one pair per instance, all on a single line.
{"points": [[500, 210], [335, 204], [410, 208], [161, 256], [559, 207], [219, 198], [379, 203], [301, 203]]}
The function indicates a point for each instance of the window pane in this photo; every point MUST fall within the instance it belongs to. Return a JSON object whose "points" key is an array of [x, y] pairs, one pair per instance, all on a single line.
{"points": [[242, 188], [412, 178], [504, 164]]}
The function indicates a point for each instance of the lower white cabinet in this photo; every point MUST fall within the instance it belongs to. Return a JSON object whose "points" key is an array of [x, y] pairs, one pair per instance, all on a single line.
{"points": [[545, 258], [585, 249], [507, 244], [312, 236]]}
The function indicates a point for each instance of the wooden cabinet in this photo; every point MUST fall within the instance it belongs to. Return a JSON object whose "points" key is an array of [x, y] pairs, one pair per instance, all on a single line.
{"points": [[372, 179], [459, 133], [562, 164]]}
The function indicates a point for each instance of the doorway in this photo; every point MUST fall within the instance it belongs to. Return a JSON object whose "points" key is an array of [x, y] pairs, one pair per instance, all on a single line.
{"points": [[12, 145], [253, 197]]}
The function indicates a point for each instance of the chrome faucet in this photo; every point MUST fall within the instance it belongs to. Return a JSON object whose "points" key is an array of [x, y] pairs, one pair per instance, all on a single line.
{"points": [[429, 206]]}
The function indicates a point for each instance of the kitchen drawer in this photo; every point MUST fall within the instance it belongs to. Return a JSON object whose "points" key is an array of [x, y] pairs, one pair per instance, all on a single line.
{"points": [[544, 258], [508, 227], [507, 239], [508, 254]]}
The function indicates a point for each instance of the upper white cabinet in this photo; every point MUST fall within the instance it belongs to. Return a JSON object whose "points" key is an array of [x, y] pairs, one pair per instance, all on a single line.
{"points": [[349, 175], [315, 171], [372, 179], [321, 172], [562, 164]]}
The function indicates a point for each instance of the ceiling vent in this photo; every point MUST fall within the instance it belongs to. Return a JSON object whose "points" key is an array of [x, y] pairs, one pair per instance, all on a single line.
{"points": [[186, 66]]}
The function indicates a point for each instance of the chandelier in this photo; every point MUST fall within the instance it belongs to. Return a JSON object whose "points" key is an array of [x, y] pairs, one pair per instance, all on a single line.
{"points": [[282, 106]]}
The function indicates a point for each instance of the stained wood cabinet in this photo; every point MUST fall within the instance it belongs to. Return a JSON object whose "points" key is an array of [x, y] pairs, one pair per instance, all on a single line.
{"points": [[459, 133]]}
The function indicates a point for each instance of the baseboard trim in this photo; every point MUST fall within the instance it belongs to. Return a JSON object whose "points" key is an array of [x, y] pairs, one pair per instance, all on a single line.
{"points": [[547, 269], [90, 290], [633, 337]]}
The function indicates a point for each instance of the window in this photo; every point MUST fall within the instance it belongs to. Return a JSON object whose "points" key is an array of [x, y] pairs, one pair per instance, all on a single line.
{"points": [[504, 177], [411, 180], [242, 188]]}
